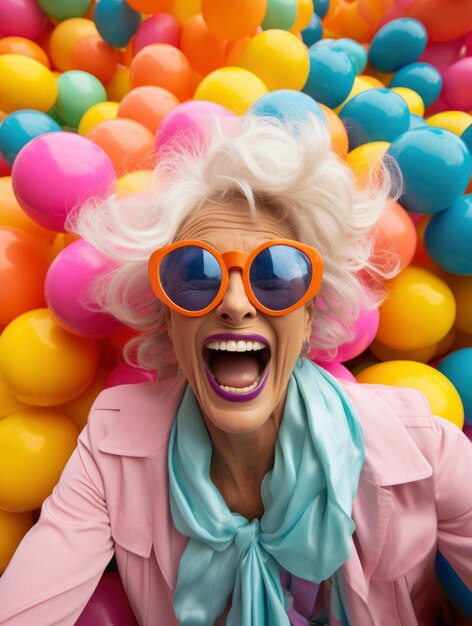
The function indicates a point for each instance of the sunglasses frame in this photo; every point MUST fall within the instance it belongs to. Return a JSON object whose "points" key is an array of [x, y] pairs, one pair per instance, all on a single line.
{"points": [[235, 259]]}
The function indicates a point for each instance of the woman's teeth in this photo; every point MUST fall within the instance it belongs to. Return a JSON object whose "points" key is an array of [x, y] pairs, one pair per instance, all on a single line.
{"points": [[242, 389], [235, 346]]}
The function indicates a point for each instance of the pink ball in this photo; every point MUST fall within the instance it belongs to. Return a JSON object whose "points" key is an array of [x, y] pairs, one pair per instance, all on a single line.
{"points": [[457, 88], [468, 44], [187, 122], [21, 18], [57, 171], [67, 287], [124, 374], [159, 28], [365, 329], [442, 54], [108, 605], [338, 371]]}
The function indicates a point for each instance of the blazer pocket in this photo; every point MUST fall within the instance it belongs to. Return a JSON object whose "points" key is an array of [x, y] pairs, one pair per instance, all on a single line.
{"points": [[132, 532]]}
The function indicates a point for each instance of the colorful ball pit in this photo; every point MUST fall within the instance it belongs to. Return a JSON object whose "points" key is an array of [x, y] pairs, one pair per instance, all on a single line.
{"points": [[89, 94]]}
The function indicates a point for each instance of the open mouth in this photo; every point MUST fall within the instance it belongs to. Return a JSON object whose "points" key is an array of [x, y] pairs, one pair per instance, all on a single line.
{"points": [[236, 365]]}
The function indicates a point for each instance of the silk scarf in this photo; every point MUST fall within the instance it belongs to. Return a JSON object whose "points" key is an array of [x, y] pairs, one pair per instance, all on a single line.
{"points": [[306, 527]]}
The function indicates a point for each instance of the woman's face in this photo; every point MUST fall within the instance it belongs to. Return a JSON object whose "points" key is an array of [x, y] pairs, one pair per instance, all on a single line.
{"points": [[195, 339]]}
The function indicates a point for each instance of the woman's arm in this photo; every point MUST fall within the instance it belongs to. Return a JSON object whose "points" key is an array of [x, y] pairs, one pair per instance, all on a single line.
{"points": [[60, 561]]}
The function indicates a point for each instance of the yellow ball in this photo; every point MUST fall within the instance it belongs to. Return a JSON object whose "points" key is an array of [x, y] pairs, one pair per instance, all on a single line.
{"points": [[361, 83], [13, 527], [278, 57], [138, 181], [305, 10], [183, 10], [462, 289], [25, 84], [366, 160], [419, 310], [233, 87], [78, 409], [441, 394], [35, 444], [64, 38], [119, 84], [8, 403], [41, 363], [97, 113], [413, 100], [454, 121], [386, 353]]}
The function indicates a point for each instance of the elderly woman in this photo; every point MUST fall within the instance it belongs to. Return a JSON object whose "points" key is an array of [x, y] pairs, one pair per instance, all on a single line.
{"points": [[247, 486]]}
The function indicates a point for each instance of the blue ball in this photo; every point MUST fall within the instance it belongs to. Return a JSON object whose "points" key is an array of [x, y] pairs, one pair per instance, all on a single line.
{"points": [[416, 121], [422, 78], [436, 168], [375, 115], [286, 104], [354, 50], [467, 137], [321, 8], [116, 21], [448, 237], [455, 589], [313, 32], [22, 126], [457, 367], [396, 44], [331, 75]]}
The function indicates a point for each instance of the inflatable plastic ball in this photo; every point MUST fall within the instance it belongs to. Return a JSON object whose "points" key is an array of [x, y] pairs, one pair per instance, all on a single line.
{"points": [[55, 172], [396, 44], [66, 289], [455, 121], [419, 311], [457, 84], [25, 84], [60, 10], [338, 371], [159, 28], [98, 113], [20, 127], [416, 122], [440, 393], [354, 50], [116, 21], [232, 87], [462, 289], [436, 167], [95, 56], [78, 91], [367, 160], [187, 122], [331, 75], [321, 8], [28, 473], [11, 213], [453, 586], [23, 265], [375, 115], [22, 18], [420, 77], [204, 50], [148, 105], [278, 58], [24, 47], [313, 31], [65, 37], [8, 403], [108, 605], [280, 14], [448, 237], [124, 374], [395, 238], [233, 20], [457, 366], [13, 527], [287, 104], [43, 364], [151, 6], [413, 100], [78, 408]]}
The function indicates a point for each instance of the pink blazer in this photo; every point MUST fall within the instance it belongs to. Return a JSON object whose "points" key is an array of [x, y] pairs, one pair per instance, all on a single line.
{"points": [[414, 496]]}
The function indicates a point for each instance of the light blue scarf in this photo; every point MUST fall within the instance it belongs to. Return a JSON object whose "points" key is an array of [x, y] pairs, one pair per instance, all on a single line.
{"points": [[306, 527]]}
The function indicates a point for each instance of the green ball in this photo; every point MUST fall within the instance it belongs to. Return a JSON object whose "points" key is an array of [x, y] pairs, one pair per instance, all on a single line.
{"points": [[78, 91], [64, 9]]}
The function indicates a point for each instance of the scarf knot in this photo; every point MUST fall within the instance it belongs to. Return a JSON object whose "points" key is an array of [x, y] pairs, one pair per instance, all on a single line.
{"points": [[306, 527]]}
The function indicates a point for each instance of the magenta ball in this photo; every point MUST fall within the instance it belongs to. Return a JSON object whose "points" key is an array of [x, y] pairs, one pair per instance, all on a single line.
{"points": [[187, 122], [159, 28], [442, 54], [338, 371], [124, 374], [57, 171], [108, 605], [457, 88], [21, 18], [67, 286]]}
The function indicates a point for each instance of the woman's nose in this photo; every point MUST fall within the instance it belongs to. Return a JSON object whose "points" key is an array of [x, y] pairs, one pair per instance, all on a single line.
{"points": [[235, 306]]}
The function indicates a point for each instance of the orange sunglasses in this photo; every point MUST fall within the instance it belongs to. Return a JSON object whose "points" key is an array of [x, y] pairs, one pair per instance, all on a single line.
{"points": [[192, 277]]}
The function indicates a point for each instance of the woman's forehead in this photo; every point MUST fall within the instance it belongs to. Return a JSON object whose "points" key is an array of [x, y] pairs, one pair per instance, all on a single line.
{"points": [[233, 220]]}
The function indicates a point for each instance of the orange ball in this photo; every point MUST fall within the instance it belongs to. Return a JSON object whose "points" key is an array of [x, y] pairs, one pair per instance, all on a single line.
{"points": [[12, 214], [64, 38], [162, 65], [23, 265], [147, 105], [444, 20], [150, 6], [337, 130], [205, 51], [95, 56], [235, 19], [129, 144], [25, 47], [395, 235]]}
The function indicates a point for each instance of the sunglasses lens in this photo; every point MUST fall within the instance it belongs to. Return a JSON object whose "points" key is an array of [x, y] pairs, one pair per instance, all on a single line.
{"points": [[191, 277], [280, 276]]}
